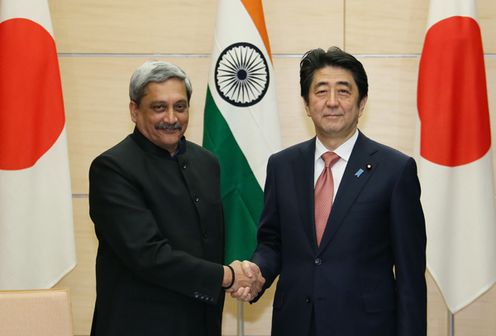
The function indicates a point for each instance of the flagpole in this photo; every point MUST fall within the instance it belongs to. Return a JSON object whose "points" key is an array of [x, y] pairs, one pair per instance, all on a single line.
{"points": [[451, 323], [241, 321]]}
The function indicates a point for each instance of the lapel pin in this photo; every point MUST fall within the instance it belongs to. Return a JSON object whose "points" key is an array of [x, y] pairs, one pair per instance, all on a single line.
{"points": [[369, 166], [359, 172]]}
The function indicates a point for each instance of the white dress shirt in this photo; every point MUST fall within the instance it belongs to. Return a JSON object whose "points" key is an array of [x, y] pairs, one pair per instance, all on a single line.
{"points": [[344, 152]]}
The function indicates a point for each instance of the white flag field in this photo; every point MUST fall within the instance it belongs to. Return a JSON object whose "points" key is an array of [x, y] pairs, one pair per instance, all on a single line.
{"points": [[455, 165], [241, 124], [36, 226]]}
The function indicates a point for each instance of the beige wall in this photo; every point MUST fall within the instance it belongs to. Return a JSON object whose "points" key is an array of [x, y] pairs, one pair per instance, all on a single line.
{"points": [[102, 41]]}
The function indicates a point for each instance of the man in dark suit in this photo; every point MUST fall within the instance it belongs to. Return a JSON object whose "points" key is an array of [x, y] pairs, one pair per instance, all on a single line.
{"points": [[363, 272], [155, 202]]}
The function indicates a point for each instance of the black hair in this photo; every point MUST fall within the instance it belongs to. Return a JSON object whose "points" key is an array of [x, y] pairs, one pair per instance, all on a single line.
{"points": [[316, 59]]}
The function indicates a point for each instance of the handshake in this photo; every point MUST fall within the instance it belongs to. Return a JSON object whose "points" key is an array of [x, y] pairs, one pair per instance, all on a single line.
{"points": [[243, 280]]}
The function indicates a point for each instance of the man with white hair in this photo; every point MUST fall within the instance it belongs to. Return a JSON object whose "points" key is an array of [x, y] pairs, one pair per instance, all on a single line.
{"points": [[155, 202]]}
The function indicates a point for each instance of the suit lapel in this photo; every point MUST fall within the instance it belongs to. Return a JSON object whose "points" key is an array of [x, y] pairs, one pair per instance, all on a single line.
{"points": [[358, 171], [303, 170]]}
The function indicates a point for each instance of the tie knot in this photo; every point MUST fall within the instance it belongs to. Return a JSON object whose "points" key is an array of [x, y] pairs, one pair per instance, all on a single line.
{"points": [[330, 158]]}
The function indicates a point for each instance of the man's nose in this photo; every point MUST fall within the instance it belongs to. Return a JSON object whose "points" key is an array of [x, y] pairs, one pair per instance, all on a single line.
{"points": [[170, 115], [332, 100]]}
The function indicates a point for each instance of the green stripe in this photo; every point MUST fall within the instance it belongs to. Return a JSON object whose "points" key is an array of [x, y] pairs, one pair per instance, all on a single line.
{"points": [[242, 196]]}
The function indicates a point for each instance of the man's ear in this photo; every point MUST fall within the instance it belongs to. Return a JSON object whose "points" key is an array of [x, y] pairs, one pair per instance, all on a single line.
{"points": [[307, 109], [133, 110], [361, 105]]}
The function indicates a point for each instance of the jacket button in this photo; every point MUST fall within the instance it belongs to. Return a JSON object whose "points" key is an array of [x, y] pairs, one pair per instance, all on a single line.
{"points": [[307, 300], [317, 261]]}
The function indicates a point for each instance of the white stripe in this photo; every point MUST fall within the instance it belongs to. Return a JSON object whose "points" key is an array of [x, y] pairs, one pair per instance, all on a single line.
{"points": [[35, 10], [442, 9], [36, 231], [461, 228], [256, 129]]}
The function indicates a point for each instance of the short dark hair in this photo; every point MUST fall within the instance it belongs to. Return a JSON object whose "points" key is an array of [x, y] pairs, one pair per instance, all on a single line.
{"points": [[316, 59]]}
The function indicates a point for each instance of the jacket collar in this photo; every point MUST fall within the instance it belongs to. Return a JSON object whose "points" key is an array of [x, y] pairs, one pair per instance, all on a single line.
{"points": [[150, 147]]}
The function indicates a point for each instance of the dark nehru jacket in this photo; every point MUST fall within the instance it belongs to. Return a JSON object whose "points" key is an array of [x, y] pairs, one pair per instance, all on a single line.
{"points": [[160, 229]]}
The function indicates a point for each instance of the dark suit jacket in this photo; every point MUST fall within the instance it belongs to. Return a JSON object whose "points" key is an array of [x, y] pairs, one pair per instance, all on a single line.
{"points": [[368, 275], [160, 229]]}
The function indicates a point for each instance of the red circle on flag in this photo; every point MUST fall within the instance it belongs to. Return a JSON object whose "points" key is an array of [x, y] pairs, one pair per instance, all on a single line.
{"points": [[31, 104], [452, 94]]}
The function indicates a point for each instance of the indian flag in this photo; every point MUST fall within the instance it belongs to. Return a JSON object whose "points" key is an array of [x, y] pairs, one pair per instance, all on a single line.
{"points": [[455, 165], [36, 229], [241, 124]]}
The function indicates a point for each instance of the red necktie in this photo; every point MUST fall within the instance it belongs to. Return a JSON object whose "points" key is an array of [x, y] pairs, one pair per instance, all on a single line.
{"points": [[324, 192]]}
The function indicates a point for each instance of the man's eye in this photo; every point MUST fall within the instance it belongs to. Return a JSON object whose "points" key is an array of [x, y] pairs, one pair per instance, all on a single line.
{"points": [[159, 107], [180, 107]]}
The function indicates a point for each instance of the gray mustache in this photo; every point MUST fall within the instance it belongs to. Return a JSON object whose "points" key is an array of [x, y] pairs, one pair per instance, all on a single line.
{"points": [[168, 127]]}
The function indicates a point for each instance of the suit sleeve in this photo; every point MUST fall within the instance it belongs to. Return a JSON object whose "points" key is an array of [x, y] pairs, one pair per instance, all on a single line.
{"points": [[268, 252], [409, 243], [127, 229]]}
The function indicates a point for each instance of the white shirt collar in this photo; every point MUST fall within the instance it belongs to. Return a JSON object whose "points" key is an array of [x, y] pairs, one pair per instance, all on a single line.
{"points": [[344, 151]]}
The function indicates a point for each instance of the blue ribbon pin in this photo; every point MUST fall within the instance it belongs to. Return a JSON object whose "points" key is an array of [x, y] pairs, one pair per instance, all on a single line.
{"points": [[359, 172]]}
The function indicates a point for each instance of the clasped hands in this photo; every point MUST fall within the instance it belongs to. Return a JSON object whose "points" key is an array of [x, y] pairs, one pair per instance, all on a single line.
{"points": [[248, 280]]}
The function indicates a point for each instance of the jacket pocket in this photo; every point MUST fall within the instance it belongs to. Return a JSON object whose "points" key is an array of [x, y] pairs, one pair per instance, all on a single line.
{"points": [[379, 301]]}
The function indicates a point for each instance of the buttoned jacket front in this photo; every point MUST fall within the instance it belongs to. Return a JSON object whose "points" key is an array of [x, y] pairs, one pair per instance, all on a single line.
{"points": [[367, 275], [159, 223]]}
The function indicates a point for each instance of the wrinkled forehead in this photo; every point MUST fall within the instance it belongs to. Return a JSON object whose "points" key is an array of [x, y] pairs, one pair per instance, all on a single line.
{"points": [[170, 85]]}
